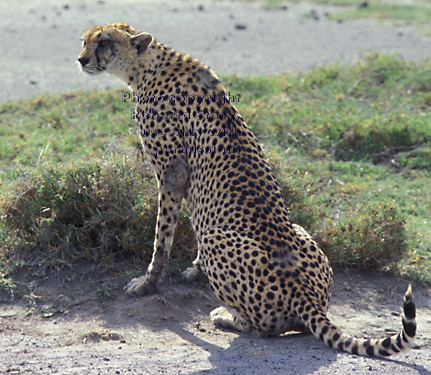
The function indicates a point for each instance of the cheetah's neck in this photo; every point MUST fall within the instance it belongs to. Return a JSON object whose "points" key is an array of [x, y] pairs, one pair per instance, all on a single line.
{"points": [[161, 61]]}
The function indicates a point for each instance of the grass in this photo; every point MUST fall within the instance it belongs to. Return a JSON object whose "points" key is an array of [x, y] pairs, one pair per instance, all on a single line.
{"points": [[417, 13], [345, 112], [398, 12], [350, 146]]}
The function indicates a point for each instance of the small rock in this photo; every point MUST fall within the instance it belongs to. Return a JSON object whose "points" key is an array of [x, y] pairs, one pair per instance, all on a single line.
{"points": [[201, 7], [363, 4], [240, 26]]}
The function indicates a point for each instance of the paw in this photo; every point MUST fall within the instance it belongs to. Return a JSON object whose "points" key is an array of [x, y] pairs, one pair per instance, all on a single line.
{"points": [[222, 317], [140, 286], [193, 274]]}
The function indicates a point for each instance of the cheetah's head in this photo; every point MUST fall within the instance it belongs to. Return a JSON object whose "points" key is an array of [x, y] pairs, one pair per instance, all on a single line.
{"points": [[110, 48]]}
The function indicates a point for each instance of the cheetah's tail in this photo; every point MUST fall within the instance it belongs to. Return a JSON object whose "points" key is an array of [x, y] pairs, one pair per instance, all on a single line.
{"points": [[322, 328]]}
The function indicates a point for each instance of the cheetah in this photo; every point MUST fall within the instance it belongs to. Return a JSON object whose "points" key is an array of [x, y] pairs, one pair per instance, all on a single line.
{"points": [[270, 275]]}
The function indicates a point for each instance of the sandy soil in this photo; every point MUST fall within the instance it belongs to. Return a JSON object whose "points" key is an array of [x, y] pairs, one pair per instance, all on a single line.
{"points": [[71, 330], [170, 333]]}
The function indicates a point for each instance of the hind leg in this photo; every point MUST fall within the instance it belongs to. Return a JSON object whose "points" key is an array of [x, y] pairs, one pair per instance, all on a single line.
{"points": [[227, 318], [237, 269]]}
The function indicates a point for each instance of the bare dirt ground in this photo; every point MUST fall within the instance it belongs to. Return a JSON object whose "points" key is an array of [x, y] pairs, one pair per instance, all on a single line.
{"points": [[71, 329], [171, 333]]}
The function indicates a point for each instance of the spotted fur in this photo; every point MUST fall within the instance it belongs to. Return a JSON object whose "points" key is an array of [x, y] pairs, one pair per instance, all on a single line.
{"points": [[269, 273]]}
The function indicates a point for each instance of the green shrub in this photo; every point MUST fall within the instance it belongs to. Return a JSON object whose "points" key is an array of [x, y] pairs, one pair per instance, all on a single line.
{"points": [[101, 211], [84, 210], [370, 237]]}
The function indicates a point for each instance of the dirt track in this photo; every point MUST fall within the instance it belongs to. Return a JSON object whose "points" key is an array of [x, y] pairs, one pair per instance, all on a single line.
{"points": [[171, 333]]}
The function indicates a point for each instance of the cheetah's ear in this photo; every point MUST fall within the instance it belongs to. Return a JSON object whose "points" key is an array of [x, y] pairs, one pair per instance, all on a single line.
{"points": [[141, 41]]}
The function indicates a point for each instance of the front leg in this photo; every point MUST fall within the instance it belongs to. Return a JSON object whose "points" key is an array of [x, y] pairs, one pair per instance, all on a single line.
{"points": [[172, 188]]}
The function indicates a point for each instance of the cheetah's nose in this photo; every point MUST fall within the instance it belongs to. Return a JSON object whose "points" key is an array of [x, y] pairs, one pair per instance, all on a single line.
{"points": [[84, 60]]}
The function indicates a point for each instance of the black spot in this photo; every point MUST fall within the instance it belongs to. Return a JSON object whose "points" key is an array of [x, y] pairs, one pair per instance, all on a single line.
{"points": [[341, 345], [399, 343], [409, 328], [336, 336], [370, 350], [324, 330], [329, 343], [410, 310], [384, 353], [386, 343], [355, 349], [395, 349]]}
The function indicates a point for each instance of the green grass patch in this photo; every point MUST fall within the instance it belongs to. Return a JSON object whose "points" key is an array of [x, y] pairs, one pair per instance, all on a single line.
{"points": [[398, 13], [361, 4], [350, 146], [48, 128], [418, 13], [368, 111]]}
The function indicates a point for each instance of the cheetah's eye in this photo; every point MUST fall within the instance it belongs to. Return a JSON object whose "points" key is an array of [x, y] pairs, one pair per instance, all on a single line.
{"points": [[103, 43]]}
